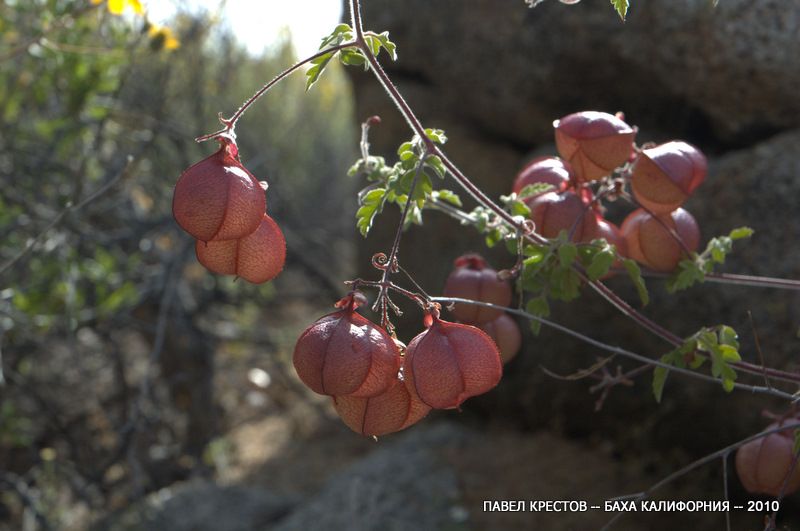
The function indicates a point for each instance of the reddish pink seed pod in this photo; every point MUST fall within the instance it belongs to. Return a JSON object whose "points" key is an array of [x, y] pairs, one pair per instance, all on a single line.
{"points": [[553, 212], [548, 170], [594, 143], [257, 258], [217, 198], [343, 353], [394, 410], [763, 465], [506, 334], [473, 279], [450, 362], [664, 176], [650, 243], [604, 229]]}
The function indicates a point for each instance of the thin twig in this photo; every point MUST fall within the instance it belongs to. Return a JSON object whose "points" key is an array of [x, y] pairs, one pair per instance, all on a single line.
{"points": [[735, 280], [725, 490], [617, 350], [674, 340], [758, 348], [67, 210], [130, 429], [383, 296], [23, 492], [230, 123]]}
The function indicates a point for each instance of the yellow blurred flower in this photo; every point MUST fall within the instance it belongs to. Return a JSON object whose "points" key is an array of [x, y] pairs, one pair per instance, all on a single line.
{"points": [[165, 35], [118, 7]]}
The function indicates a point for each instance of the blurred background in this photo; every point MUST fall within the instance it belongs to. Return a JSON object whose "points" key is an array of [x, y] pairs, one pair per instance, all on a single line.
{"points": [[138, 391]]}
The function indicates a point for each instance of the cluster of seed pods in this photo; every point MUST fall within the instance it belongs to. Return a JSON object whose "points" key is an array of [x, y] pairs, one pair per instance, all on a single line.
{"points": [[223, 206], [378, 385], [593, 145], [473, 279]]}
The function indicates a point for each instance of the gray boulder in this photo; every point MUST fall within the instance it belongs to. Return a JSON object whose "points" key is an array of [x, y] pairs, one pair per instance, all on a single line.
{"points": [[728, 71], [404, 486], [201, 506]]}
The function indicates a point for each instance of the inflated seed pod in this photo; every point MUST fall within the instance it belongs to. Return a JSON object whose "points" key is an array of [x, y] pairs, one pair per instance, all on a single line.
{"points": [[394, 410], [764, 465], [665, 175], [473, 279], [257, 257], [344, 353], [594, 143], [650, 242], [450, 362], [217, 198]]}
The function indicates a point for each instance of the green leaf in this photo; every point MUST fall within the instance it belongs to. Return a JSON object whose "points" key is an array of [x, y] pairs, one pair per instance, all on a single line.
{"points": [[621, 6], [539, 307], [729, 354], [721, 344], [408, 155], [414, 216], [635, 275], [567, 254], [694, 270], [353, 57], [405, 147], [436, 135], [659, 379], [512, 244], [317, 66], [728, 336], [518, 208], [339, 34], [601, 263], [378, 41], [371, 204], [493, 237], [687, 274], [565, 284], [728, 384], [697, 362], [438, 166], [740, 233], [531, 190], [447, 196], [718, 248]]}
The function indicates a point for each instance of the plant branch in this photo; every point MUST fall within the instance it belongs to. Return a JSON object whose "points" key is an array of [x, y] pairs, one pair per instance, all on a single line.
{"points": [[617, 350], [28, 498], [636, 316], [230, 123], [391, 265], [739, 280], [67, 210]]}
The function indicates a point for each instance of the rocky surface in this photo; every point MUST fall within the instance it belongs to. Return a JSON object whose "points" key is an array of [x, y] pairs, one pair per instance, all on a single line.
{"points": [[403, 485], [201, 506], [495, 75], [437, 476], [729, 72]]}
